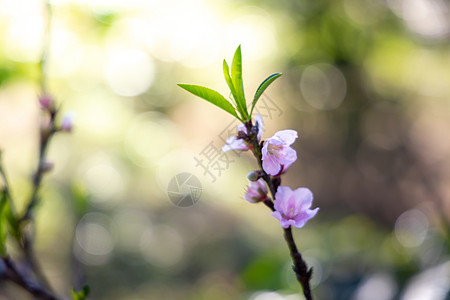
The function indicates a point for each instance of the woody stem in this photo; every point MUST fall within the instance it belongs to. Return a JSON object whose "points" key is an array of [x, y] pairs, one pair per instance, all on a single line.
{"points": [[300, 268]]}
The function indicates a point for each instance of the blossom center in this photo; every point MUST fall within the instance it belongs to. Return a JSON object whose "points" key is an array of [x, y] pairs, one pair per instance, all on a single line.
{"points": [[289, 214], [274, 148]]}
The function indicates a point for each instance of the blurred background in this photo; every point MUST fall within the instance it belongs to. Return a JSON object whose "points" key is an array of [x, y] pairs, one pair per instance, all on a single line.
{"points": [[366, 84]]}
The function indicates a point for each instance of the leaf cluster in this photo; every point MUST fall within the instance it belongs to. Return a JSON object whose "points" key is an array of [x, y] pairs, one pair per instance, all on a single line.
{"points": [[238, 106]]}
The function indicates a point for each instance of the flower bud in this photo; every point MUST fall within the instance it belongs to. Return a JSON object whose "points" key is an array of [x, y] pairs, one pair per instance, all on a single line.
{"points": [[67, 122], [46, 101], [256, 192], [254, 175]]}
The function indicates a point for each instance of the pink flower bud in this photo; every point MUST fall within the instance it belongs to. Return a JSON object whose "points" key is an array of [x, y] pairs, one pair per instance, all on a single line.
{"points": [[256, 192], [67, 122], [237, 143], [46, 101]]}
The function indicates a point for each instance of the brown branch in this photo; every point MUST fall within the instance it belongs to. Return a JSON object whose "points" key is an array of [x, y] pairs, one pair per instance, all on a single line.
{"points": [[45, 137], [273, 182], [38, 285], [26, 240], [300, 268], [13, 274]]}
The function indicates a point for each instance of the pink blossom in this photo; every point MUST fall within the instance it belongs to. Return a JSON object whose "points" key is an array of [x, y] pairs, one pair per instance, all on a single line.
{"points": [[237, 142], [277, 155], [67, 122], [257, 191], [46, 101], [293, 207]]}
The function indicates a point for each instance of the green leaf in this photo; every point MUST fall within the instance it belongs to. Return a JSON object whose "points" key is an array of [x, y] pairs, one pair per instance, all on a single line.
{"points": [[236, 78], [210, 96], [11, 219], [226, 74], [81, 295], [262, 87]]}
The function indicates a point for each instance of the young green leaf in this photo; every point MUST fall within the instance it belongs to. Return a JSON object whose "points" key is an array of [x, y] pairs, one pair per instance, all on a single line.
{"points": [[210, 96], [81, 295], [262, 87], [236, 78], [226, 74]]}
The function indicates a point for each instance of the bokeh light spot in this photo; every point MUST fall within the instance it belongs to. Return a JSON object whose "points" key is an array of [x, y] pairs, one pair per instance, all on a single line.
{"points": [[23, 39], [104, 183], [256, 34], [411, 228], [94, 241], [149, 138], [429, 18], [266, 295], [376, 287], [133, 223], [67, 52], [162, 246], [323, 86], [129, 72]]}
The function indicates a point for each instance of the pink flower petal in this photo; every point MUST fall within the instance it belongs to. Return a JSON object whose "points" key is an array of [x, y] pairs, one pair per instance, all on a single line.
{"points": [[292, 207], [277, 215], [287, 156], [264, 150], [233, 143], [241, 127], [301, 219], [285, 167], [285, 223], [270, 165], [282, 196], [288, 136], [306, 197]]}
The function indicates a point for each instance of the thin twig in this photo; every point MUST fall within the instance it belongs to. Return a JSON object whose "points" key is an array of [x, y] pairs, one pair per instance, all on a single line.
{"points": [[45, 138], [300, 268], [33, 262], [13, 274], [23, 239], [41, 290], [26, 241], [45, 134]]}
